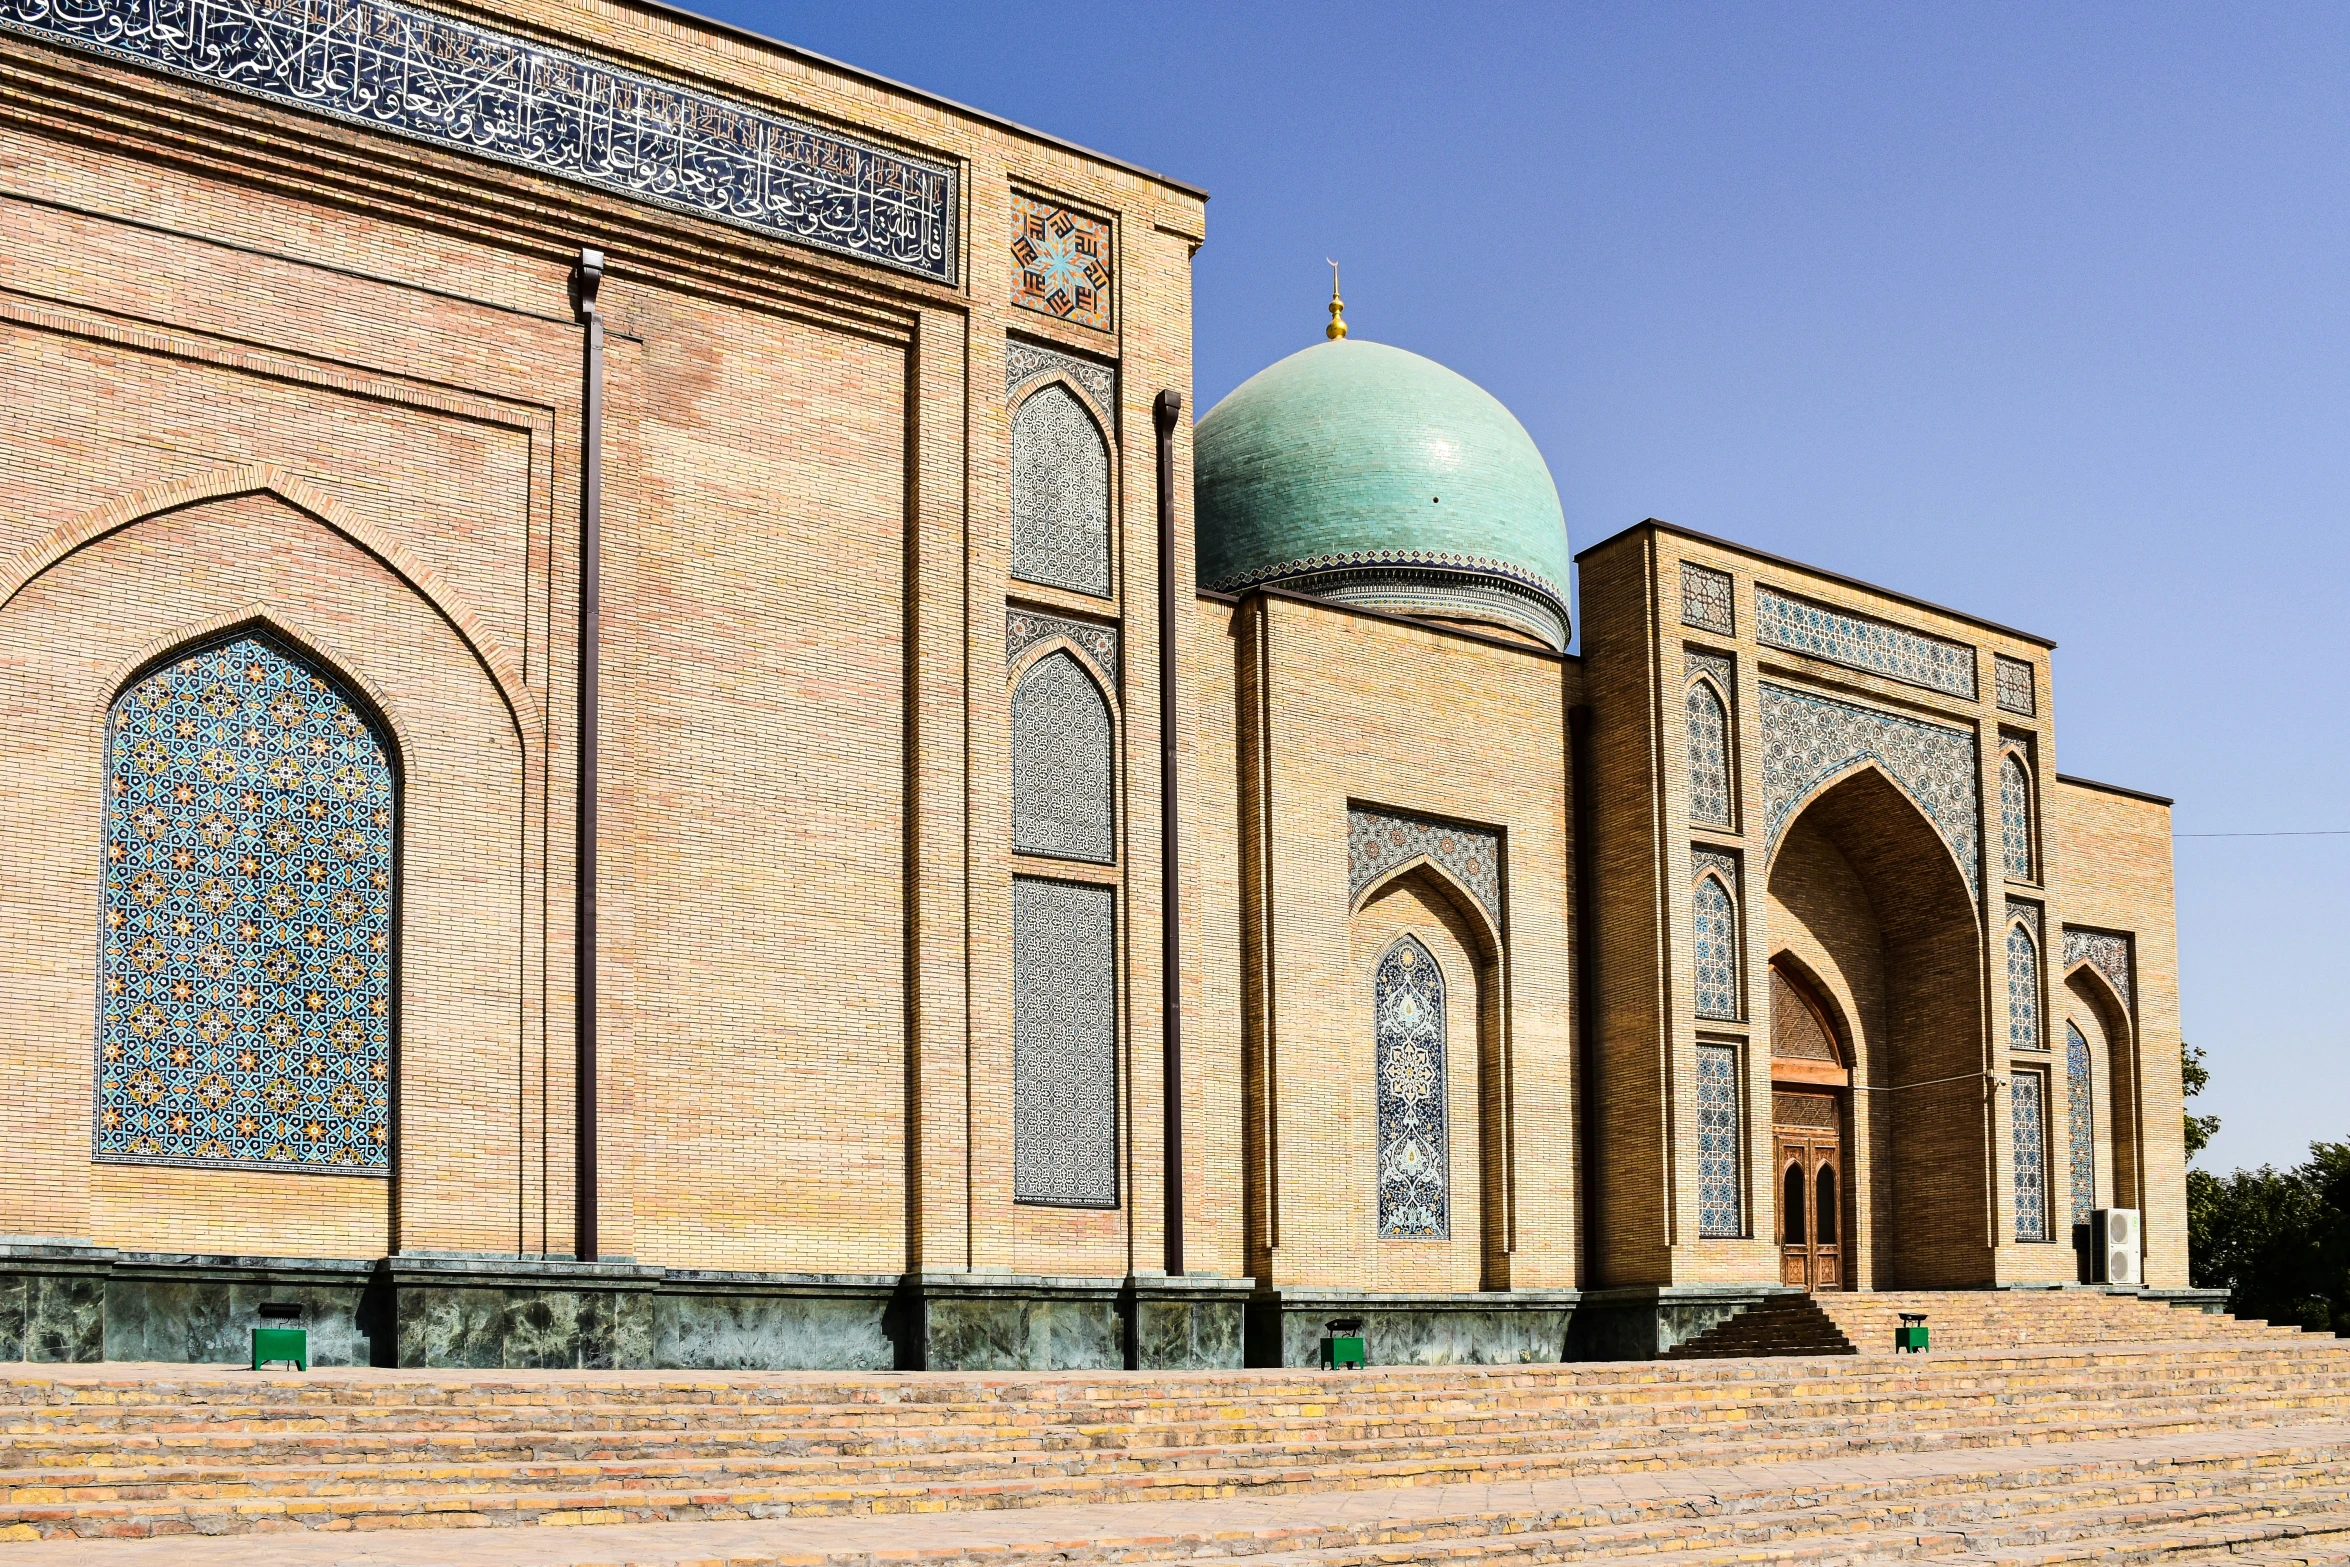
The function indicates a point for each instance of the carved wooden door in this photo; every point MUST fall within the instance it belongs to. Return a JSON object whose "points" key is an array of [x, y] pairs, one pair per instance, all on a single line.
{"points": [[1810, 1189]]}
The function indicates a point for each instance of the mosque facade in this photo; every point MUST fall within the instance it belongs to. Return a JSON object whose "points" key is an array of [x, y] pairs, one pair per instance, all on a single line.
{"points": [[644, 731]]}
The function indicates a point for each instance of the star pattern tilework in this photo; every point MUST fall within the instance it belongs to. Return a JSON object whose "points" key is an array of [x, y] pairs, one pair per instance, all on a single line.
{"points": [[1705, 599], [1378, 841], [1060, 262], [1415, 1185], [1716, 912], [1863, 642], [1720, 1213], [1809, 739], [2023, 985], [1709, 756], [2015, 818], [2027, 1093], [2103, 950], [2081, 1119], [245, 968]]}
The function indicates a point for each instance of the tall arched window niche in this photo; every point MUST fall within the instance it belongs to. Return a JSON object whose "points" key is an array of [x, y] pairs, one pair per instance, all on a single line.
{"points": [[1415, 1165], [1714, 916], [1060, 493], [1709, 755], [2081, 1122], [1063, 770], [245, 957], [2023, 990], [2015, 818]]}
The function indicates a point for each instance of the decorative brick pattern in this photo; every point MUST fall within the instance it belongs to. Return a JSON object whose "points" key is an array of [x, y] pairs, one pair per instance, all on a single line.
{"points": [[245, 971], [1863, 642], [1715, 900], [1064, 1044], [1407, 1009], [2105, 951], [1026, 363], [1378, 841], [1720, 1135], [391, 67], [1025, 628], [1060, 262], [1060, 495], [2028, 1094], [1063, 765], [2011, 682], [1706, 599], [1809, 739]]}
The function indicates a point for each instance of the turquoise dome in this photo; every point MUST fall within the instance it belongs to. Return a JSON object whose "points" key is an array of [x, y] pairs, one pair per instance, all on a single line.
{"points": [[1368, 474]]}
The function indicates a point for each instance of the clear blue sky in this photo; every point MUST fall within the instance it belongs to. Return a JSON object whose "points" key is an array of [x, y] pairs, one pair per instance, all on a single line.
{"points": [[2038, 311]]}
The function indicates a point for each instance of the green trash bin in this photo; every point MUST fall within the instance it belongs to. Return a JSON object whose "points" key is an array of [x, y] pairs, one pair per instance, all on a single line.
{"points": [[274, 1346], [1910, 1337], [1342, 1345]]}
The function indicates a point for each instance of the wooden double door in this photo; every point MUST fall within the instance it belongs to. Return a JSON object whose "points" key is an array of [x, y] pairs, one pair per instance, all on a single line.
{"points": [[1809, 1145]]}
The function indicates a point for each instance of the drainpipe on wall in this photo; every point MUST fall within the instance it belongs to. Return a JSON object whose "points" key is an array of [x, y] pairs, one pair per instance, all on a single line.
{"points": [[1165, 410], [586, 279]]}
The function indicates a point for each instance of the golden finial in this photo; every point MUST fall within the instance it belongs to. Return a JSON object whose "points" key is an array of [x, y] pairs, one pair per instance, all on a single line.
{"points": [[1337, 327]]}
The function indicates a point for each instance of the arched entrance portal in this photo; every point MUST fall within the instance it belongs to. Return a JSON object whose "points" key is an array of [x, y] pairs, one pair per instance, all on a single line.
{"points": [[1878, 965]]}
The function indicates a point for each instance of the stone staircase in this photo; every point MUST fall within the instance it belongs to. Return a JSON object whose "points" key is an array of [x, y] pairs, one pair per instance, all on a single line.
{"points": [[1846, 1324], [2195, 1437]]}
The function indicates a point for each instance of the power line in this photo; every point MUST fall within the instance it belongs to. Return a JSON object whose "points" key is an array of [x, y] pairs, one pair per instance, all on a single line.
{"points": [[2323, 832]]}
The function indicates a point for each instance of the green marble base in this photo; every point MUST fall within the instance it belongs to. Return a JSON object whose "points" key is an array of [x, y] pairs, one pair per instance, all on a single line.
{"points": [[1484, 1328], [1190, 1323], [1008, 1322], [53, 1301]]}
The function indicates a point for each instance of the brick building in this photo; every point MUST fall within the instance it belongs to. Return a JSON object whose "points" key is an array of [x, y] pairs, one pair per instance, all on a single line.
{"points": [[818, 974]]}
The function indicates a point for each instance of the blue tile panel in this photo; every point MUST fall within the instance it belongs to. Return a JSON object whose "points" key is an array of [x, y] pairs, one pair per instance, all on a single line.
{"points": [[1064, 1044], [1705, 599], [1808, 740], [392, 67], [1415, 1180], [245, 959], [1715, 910], [1862, 642], [2081, 1119], [2012, 685], [2027, 1094], [1060, 262], [1720, 1206], [1709, 740], [2015, 818], [2023, 979]]}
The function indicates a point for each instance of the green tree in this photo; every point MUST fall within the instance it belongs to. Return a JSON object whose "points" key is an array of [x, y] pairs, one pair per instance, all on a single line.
{"points": [[2195, 1077], [2278, 1241]]}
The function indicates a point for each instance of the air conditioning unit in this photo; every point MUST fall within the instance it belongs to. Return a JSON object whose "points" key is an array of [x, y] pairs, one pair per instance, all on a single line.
{"points": [[2119, 1246]]}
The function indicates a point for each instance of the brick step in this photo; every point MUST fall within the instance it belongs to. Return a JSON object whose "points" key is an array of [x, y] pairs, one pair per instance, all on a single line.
{"points": [[230, 1501], [1792, 1325], [1137, 1396], [79, 1458]]}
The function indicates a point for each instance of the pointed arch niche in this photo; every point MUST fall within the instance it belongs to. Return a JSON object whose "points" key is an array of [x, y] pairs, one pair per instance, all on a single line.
{"points": [[1425, 976], [1873, 928]]}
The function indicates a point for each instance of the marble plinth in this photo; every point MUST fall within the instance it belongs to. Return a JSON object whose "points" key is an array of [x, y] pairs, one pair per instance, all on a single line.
{"points": [[1482, 1328]]}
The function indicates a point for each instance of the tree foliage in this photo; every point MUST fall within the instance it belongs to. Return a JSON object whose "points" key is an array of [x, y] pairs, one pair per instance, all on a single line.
{"points": [[2278, 1241]]}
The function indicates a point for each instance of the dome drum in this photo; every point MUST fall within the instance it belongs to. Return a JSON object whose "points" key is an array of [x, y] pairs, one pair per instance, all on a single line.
{"points": [[1425, 585]]}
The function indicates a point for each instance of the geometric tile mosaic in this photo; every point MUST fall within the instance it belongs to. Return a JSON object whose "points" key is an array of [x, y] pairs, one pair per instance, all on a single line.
{"points": [[1705, 599], [387, 66], [1808, 739], [1063, 767], [2015, 817], [1378, 841], [1407, 1002], [1720, 1210], [1064, 1044], [1715, 913], [1862, 642], [1026, 362], [245, 961], [2011, 682], [1060, 262], [2081, 1116], [2027, 1093], [2106, 952], [1709, 755], [2023, 983], [1060, 494]]}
